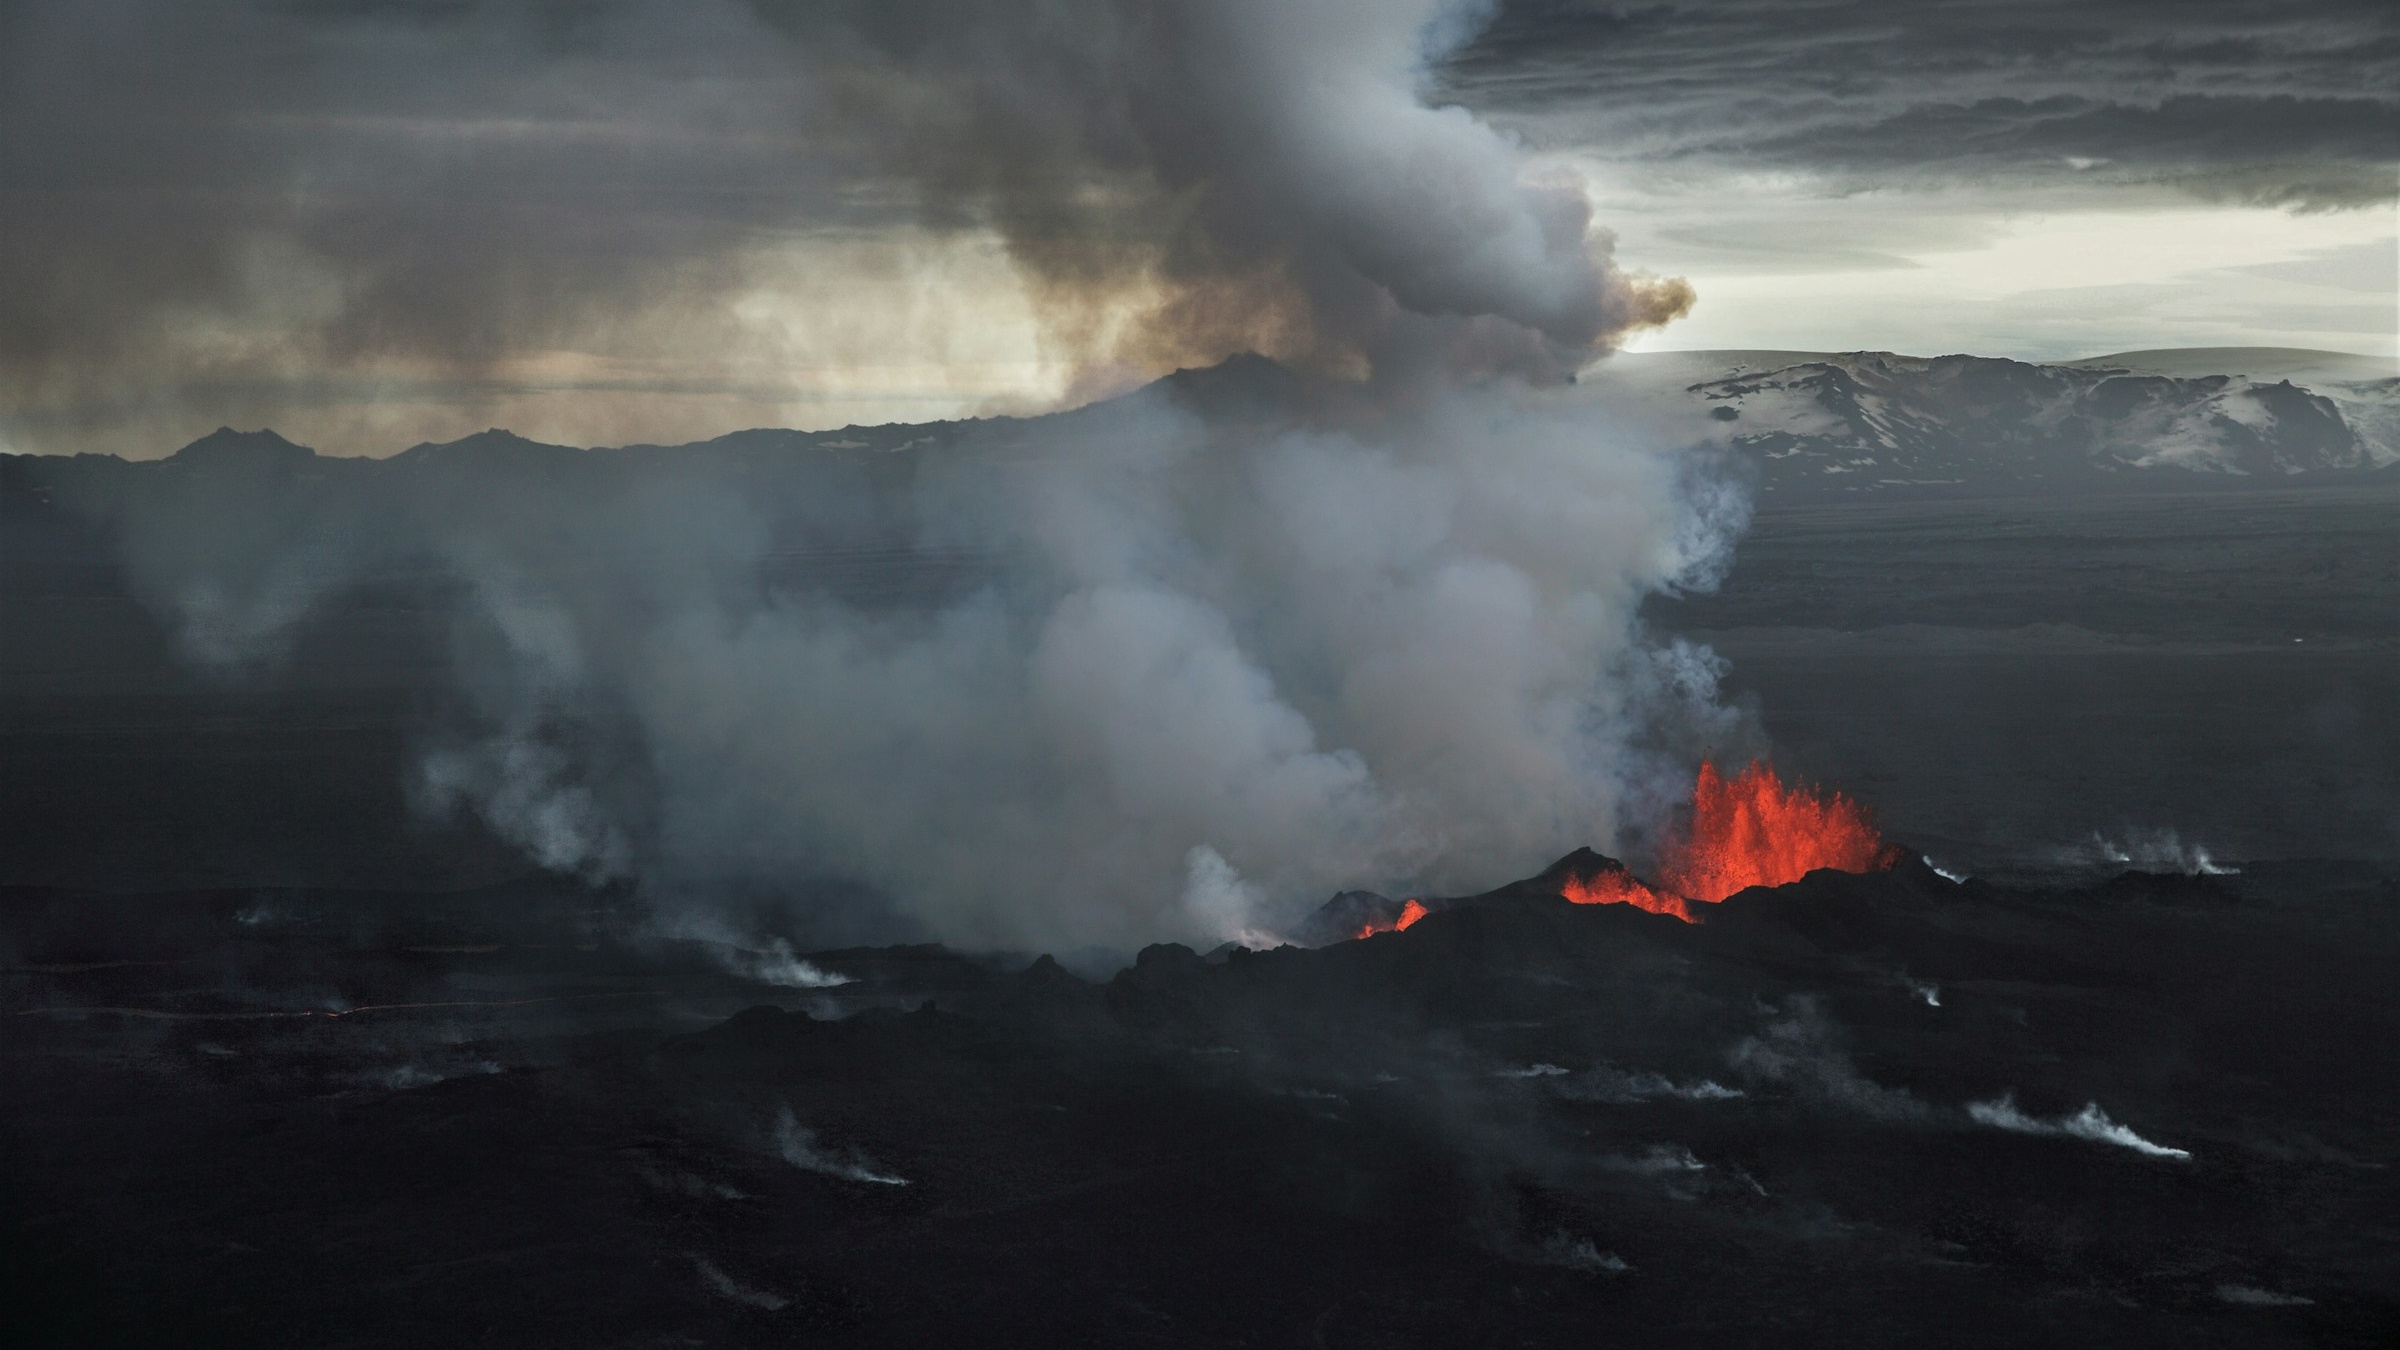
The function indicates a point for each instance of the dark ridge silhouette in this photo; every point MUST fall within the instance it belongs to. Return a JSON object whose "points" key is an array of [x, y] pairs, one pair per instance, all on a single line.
{"points": [[227, 449]]}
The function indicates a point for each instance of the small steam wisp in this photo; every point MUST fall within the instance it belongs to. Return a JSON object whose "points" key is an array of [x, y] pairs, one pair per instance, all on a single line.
{"points": [[797, 1144], [2159, 851], [2090, 1123]]}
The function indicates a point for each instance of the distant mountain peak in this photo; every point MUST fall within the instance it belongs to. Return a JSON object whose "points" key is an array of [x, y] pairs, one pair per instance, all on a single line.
{"points": [[226, 447], [489, 444], [1244, 383], [1850, 422]]}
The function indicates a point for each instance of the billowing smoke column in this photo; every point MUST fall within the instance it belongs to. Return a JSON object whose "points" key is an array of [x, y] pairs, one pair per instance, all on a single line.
{"points": [[1265, 172], [1208, 666], [1213, 673]]}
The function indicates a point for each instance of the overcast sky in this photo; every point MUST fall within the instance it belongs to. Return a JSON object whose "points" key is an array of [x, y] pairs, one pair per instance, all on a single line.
{"points": [[368, 222], [2038, 178]]}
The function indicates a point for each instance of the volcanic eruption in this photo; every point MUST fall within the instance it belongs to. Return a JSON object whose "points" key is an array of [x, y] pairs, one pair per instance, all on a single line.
{"points": [[845, 883], [1410, 912], [1747, 830]]}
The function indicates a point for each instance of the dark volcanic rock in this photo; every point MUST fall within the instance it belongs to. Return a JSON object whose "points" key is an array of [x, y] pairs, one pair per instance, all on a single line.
{"points": [[1884, 1109], [1344, 917]]}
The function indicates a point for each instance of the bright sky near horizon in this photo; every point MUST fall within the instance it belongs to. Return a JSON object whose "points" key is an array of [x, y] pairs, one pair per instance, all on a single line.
{"points": [[2056, 285]]}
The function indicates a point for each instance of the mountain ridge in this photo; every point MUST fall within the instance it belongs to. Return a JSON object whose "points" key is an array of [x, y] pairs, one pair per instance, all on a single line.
{"points": [[1810, 424]]}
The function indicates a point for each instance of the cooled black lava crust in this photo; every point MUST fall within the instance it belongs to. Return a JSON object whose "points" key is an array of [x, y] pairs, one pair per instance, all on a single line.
{"points": [[1843, 1112]]}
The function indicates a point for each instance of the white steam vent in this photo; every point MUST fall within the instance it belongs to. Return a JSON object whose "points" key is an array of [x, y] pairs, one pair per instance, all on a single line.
{"points": [[2090, 1123]]}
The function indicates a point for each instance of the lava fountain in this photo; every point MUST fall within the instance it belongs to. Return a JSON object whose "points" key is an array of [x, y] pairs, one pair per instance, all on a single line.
{"points": [[1747, 830], [1410, 912]]}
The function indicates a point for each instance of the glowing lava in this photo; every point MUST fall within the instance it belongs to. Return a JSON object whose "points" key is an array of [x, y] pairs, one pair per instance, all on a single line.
{"points": [[1748, 830], [1751, 830], [1620, 887], [1410, 912]]}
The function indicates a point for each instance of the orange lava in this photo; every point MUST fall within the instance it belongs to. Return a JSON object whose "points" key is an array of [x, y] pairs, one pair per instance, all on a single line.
{"points": [[1620, 887], [1751, 830], [1748, 830], [1410, 912]]}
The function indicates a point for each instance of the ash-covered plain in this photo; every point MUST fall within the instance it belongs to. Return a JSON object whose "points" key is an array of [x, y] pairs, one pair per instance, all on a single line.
{"points": [[1858, 1109]]}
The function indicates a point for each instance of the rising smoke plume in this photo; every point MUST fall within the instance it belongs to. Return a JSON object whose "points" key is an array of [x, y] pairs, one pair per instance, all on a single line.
{"points": [[1249, 175], [1209, 661], [460, 202]]}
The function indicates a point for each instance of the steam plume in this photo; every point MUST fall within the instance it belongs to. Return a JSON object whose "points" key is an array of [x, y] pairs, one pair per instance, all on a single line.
{"points": [[1266, 172], [1209, 666]]}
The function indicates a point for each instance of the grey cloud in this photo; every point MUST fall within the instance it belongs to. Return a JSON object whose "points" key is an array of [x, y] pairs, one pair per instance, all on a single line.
{"points": [[2277, 150], [2288, 106], [1786, 245], [246, 189], [2358, 267]]}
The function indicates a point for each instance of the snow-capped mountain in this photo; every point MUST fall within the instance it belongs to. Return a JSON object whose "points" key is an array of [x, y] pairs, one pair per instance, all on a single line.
{"points": [[1859, 422]]}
